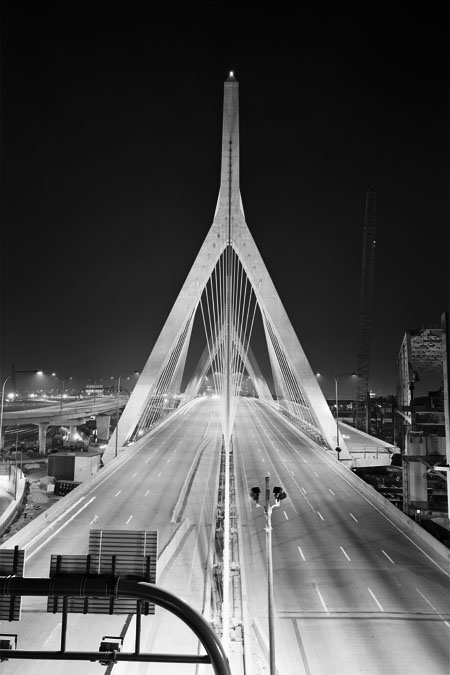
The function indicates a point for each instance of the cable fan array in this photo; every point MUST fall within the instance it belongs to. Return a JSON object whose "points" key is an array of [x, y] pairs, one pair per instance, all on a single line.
{"points": [[228, 305]]}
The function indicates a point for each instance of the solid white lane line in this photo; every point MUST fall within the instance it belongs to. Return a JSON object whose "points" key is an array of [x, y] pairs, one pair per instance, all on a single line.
{"points": [[301, 553], [388, 557], [29, 555], [129, 519], [134, 475], [286, 515], [146, 493], [320, 515], [348, 558], [355, 519], [316, 474], [322, 600], [374, 597], [117, 493], [334, 495]]}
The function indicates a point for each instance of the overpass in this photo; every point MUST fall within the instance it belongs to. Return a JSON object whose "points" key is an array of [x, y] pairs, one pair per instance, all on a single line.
{"points": [[71, 413]]}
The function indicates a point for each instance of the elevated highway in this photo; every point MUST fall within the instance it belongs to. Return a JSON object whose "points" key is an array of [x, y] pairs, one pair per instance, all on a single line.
{"points": [[70, 413], [356, 590]]}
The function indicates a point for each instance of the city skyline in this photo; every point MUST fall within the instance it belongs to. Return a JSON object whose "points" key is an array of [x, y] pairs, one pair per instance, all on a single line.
{"points": [[111, 171]]}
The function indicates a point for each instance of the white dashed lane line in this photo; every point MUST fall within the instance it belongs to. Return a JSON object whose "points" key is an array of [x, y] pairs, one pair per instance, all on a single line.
{"points": [[117, 493], [348, 557], [320, 515], [330, 490], [352, 516], [301, 553], [387, 556], [129, 519], [375, 598], [286, 515], [146, 493]]}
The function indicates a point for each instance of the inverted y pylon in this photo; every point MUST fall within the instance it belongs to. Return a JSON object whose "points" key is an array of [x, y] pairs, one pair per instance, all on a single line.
{"points": [[297, 389]]}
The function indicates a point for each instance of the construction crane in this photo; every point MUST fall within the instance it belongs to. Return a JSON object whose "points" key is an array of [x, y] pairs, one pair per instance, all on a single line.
{"points": [[362, 404]]}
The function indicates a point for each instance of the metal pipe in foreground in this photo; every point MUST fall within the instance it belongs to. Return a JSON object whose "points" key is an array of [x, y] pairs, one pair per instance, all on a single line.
{"points": [[105, 585]]}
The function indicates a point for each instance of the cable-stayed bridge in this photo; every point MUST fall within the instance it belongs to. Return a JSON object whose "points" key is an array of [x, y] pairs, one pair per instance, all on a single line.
{"points": [[357, 589]]}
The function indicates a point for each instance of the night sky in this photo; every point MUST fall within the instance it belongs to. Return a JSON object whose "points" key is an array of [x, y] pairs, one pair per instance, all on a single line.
{"points": [[111, 144]]}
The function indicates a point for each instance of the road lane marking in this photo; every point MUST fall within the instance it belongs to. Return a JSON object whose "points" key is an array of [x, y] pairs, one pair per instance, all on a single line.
{"points": [[129, 519], [388, 557], [134, 475], [316, 474], [58, 530], [301, 553], [355, 519], [147, 461], [286, 515], [292, 474], [146, 493], [117, 493], [304, 460], [322, 600], [263, 460], [433, 607], [348, 557], [426, 599], [160, 474], [304, 491], [320, 515], [259, 449], [58, 625], [168, 461], [334, 495], [374, 597]]}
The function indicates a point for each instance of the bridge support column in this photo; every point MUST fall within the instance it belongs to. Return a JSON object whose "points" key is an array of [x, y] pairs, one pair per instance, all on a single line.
{"points": [[103, 427], [43, 426], [72, 432]]}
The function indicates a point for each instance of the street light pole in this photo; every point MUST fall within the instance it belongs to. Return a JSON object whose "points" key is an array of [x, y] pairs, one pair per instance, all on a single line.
{"points": [[63, 380], [336, 379], [135, 372], [279, 494], [8, 377]]}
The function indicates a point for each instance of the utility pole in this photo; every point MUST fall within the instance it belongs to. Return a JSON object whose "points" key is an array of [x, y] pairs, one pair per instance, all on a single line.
{"points": [[279, 494]]}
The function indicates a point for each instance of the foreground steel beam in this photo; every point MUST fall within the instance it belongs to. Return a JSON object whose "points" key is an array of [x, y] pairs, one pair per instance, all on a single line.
{"points": [[101, 586]]}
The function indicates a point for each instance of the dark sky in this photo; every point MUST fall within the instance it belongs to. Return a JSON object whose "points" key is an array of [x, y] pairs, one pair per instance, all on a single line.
{"points": [[111, 137]]}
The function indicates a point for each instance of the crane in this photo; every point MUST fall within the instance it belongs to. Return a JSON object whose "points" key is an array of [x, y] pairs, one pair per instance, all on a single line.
{"points": [[362, 403]]}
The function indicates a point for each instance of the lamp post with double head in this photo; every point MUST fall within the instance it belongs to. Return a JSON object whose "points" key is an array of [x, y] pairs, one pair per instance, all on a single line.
{"points": [[336, 379], [129, 372]]}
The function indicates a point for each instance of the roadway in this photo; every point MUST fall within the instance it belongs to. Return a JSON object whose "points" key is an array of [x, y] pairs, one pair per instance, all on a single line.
{"points": [[141, 494], [354, 593]]}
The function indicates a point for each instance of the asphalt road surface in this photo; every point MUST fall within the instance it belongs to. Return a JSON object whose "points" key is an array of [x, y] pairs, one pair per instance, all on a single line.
{"points": [[354, 593]]}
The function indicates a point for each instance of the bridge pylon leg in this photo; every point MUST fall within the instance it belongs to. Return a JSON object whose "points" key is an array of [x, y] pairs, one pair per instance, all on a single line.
{"points": [[43, 426]]}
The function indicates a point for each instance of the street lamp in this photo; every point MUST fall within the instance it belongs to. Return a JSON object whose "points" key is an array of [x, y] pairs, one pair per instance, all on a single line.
{"points": [[279, 494], [95, 380], [336, 379], [8, 377], [63, 380], [134, 372]]}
